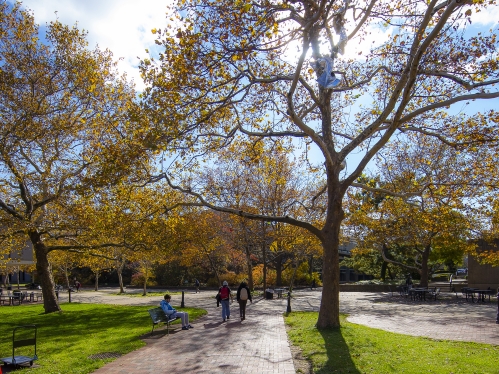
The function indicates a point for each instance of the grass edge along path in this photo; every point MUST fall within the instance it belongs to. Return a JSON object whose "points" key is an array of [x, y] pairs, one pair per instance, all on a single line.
{"points": [[360, 349], [66, 340]]}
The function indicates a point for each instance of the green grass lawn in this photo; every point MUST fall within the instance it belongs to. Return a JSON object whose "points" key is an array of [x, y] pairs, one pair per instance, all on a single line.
{"points": [[66, 340], [360, 349]]}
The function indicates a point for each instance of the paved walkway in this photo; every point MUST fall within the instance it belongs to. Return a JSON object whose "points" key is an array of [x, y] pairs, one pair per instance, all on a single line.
{"points": [[259, 344]]}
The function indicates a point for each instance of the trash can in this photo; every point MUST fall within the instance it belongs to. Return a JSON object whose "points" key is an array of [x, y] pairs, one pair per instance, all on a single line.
{"points": [[269, 294]]}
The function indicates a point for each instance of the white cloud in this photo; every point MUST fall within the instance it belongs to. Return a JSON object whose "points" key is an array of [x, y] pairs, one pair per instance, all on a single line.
{"points": [[123, 26], [486, 18]]}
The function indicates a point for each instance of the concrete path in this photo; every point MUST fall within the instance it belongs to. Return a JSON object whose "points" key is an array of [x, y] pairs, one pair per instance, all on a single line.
{"points": [[259, 344], [448, 318]]}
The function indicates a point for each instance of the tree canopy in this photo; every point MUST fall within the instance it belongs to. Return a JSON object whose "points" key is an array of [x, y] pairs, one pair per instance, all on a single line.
{"points": [[65, 130], [259, 71]]}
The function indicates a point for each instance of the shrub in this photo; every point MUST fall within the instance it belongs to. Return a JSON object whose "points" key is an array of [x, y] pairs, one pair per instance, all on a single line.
{"points": [[232, 278], [138, 280], [302, 276]]}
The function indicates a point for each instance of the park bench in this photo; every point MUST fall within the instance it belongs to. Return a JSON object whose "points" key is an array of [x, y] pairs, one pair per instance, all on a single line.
{"points": [[26, 336], [158, 316]]}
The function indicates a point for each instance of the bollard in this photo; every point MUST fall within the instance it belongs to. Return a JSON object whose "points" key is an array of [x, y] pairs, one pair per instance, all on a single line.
{"points": [[182, 303], [69, 292], [288, 309], [497, 315]]}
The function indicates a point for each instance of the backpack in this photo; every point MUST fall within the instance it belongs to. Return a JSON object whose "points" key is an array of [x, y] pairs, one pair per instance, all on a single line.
{"points": [[224, 292], [243, 294]]}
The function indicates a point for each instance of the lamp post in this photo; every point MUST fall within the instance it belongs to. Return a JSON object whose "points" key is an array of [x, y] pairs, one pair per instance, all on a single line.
{"points": [[182, 303], [288, 309]]}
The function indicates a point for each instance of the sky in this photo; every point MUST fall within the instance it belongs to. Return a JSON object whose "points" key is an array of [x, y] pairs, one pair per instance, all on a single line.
{"points": [[123, 26]]}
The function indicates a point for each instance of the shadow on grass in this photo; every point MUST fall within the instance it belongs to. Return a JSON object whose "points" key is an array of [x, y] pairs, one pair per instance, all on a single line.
{"points": [[338, 353], [77, 321]]}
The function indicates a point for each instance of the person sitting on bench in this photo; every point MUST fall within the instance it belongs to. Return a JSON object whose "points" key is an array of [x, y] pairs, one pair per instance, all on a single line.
{"points": [[171, 312]]}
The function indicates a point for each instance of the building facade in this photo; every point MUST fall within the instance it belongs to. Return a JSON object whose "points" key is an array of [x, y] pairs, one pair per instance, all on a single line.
{"points": [[483, 276]]}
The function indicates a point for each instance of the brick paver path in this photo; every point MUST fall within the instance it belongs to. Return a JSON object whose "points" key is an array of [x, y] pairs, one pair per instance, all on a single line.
{"points": [[256, 345], [259, 344]]}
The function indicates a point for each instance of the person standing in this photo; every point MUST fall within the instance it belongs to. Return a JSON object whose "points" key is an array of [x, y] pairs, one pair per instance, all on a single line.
{"points": [[225, 297], [243, 295], [171, 312]]}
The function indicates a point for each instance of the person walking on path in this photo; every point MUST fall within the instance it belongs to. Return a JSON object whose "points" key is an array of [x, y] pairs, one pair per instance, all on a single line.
{"points": [[225, 297], [242, 297], [171, 312], [196, 282]]}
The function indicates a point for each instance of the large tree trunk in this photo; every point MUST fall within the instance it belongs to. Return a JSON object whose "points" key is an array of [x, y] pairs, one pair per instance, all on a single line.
{"points": [[264, 257], [278, 270], [424, 266], [292, 280], [66, 276], [97, 273], [329, 312], [120, 277], [18, 275], [45, 278], [250, 267], [120, 264], [146, 275], [384, 267]]}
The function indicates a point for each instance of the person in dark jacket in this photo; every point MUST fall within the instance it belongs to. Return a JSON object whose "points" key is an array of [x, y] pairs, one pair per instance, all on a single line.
{"points": [[243, 295]]}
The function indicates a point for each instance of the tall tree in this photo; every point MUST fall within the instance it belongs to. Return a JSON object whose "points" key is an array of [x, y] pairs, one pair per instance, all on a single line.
{"points": [[64, 130], [432, 219], [228, 70]]}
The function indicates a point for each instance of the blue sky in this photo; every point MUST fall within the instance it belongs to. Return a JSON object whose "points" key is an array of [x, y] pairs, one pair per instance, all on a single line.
{"points": [[124, 26]]}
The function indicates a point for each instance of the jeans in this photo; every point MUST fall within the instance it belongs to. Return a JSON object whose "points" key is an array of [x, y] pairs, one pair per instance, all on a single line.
{"points": [[225, 309]]}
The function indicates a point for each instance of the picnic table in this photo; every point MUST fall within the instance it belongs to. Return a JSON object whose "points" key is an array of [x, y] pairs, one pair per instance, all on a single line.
{"points": [[418, 293], [482, 295], [5, 298], [469, 293], [19, 296], [279, 291]]}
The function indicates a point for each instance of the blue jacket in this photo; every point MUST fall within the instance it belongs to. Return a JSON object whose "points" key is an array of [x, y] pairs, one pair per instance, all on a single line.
{"points": [[167, 308]]}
